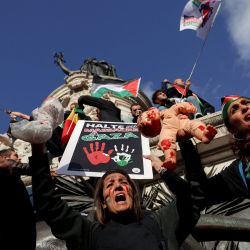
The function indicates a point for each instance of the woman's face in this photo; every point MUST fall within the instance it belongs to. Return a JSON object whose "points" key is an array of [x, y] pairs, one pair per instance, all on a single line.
{"points": [[239, 116], [117, 193]]}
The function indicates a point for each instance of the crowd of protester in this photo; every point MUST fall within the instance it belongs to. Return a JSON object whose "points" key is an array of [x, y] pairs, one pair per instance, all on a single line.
{"points": [[121, 221]]}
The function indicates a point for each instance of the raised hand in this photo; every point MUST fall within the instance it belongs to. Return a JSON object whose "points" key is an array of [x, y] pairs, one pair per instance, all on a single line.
{"points": [[186, 107], [123, 157], [155, 161], [97, 156]]}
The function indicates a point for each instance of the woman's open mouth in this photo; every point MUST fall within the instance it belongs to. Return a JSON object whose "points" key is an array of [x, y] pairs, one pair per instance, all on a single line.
{"points": [[120, 198]]}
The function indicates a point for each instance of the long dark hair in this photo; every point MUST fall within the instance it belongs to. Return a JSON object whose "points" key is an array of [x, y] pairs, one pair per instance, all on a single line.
{"points": [[101, 214], [241, 148]]}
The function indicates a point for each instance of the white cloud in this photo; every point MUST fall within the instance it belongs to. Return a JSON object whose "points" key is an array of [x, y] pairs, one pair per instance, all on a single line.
{"points": [[238, 25]]}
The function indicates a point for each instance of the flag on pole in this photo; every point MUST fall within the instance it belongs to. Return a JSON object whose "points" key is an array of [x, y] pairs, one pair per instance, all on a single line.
{"points": [[116, 86], [69, 125], [199, 15]]}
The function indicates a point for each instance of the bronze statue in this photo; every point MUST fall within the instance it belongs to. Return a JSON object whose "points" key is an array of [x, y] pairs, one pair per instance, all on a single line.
{"points": [[59, 60], [98, 67], [91, 65]]}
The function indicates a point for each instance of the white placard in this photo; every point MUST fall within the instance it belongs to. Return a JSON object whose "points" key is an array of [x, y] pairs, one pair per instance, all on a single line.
{"points": [[95, 147]]}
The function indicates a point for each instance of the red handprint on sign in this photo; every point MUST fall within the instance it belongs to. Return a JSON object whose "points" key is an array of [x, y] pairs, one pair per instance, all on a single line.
{"points": [[97, 156]]}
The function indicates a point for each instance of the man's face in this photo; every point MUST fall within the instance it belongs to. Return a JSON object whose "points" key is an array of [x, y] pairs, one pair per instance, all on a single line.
{"points": [[136, 110], [180, 82], [4, 163], [239, 116], [117, 193], [14, 156], [7, 161], [161, 96]]}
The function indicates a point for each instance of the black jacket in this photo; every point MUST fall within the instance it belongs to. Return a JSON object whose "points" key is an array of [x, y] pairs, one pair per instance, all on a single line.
{"points": [[226, 185], [17, 221], [108, 110], [174, 222], [206, 107]]}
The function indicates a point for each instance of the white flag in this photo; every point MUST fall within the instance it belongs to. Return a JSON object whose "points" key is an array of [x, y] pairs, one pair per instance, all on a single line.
{"points": [[199, 15]]}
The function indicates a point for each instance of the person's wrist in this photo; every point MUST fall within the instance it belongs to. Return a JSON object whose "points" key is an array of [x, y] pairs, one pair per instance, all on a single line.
{"points": [[161, 171]]}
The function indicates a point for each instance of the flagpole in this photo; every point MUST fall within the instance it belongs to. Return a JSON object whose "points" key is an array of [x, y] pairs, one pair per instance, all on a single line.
{"points": [[204, 42], [196, 60], [198, 57], [202, 47], [73, 120]]}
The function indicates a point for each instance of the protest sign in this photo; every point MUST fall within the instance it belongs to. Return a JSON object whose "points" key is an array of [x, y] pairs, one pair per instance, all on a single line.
{"points": [[95, 147]]}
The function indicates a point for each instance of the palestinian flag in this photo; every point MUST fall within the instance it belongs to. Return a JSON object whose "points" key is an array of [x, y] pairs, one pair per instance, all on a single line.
{"points": [[180, 89], [69, 125], [116, 86]]}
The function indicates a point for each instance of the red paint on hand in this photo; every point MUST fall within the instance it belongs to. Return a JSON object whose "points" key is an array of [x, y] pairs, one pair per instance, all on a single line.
{"points": [[96, 156]]}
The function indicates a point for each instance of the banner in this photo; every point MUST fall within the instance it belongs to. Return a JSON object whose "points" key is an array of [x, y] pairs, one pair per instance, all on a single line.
{"points": [[199, 15], [95, 147]]}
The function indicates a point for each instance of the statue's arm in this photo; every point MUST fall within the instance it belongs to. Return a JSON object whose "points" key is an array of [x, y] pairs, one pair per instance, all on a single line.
{"points": [[59, 60]]}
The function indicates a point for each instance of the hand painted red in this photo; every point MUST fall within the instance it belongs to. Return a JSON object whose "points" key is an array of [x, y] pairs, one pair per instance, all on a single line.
{"points": [[97, 156]]}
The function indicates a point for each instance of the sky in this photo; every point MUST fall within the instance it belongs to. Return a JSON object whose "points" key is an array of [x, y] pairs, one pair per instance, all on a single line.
{"points": [[141, 38]]}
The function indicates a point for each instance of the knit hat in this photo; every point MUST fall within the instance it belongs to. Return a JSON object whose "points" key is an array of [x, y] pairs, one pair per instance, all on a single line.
{"points": [[225, 103]]}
